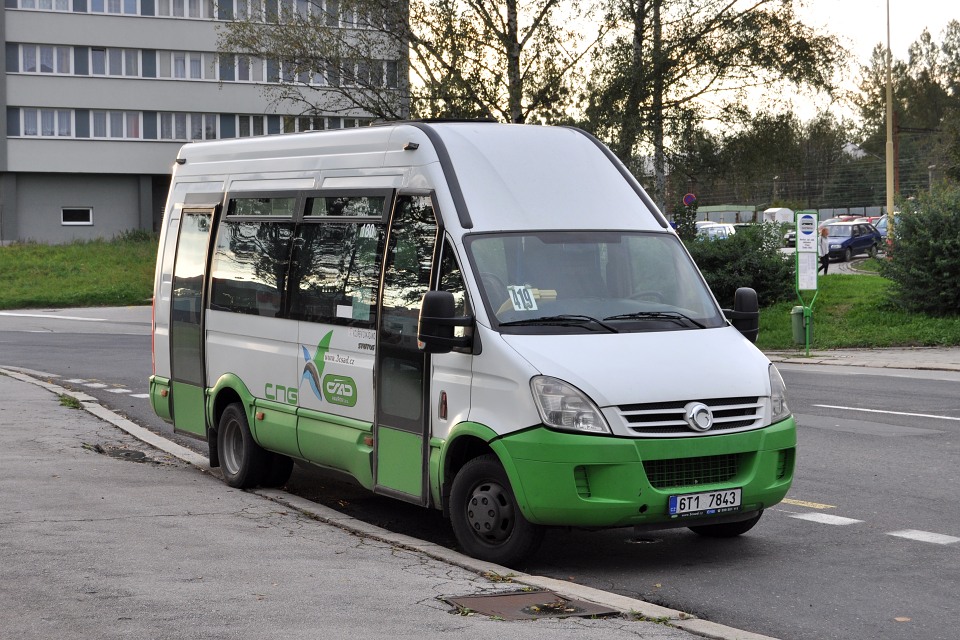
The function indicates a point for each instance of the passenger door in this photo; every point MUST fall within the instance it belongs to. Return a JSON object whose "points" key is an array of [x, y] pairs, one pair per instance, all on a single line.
{"points": [[186, 322], [401, 426]]}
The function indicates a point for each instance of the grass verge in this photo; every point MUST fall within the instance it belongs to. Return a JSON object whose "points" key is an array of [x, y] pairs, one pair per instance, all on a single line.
{"points": [[852, 311], [115, 272]]}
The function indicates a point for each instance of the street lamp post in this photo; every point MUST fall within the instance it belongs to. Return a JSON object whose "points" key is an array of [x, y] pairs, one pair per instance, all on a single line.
{"points": [[889, 147]]}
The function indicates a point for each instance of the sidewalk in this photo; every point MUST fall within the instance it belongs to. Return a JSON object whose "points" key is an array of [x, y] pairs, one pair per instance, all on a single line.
{"points": [[918, 358], [104, 536]]}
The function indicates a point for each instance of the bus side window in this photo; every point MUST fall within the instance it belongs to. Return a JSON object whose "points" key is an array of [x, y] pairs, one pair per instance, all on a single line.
{"points": [[250, 267], [451, 279], [335, 272]]}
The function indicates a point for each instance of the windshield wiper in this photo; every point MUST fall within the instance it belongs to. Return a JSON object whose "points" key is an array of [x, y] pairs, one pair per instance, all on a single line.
{"points": [[564, 320], [676, 316]]}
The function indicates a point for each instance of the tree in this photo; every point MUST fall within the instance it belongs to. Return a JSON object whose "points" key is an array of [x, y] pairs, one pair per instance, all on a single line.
{"points": [[925, 257], [503, 60], [671, 58], [926, 103]]}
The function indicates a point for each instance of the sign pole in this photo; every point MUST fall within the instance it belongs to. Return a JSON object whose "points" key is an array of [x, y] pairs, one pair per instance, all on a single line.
{"points": [[807, 263]]}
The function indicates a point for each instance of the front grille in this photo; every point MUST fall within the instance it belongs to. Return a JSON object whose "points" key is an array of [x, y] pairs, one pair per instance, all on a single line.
{"points": [[666, 419], [691, 472]]}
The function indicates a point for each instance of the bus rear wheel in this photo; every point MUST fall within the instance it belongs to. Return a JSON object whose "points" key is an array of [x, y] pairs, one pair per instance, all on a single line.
{"points": [[485, 515], [242, 460]]}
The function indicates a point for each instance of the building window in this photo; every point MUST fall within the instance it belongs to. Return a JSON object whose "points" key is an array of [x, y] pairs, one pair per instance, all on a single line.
{"points": [[116, 7], [188, 126], [47, 123], [46, 59], [98, 62], [46, 5], [116, 124], [187, 65], [115, 62], [197, 9], [76, 216], [250, 126]]}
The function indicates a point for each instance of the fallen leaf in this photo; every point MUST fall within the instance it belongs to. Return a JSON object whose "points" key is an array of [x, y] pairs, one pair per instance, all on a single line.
{"points": [[901, 619]]}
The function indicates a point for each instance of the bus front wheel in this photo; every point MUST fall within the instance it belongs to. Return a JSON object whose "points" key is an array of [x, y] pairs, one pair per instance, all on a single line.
{"points": [[242, 460], [485, 515]]}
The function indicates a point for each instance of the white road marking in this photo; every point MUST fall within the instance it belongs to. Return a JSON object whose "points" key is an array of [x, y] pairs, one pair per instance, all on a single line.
{"points": [[892, 413], [48, 316], [924, 536], [825, 518], [98, 385]]}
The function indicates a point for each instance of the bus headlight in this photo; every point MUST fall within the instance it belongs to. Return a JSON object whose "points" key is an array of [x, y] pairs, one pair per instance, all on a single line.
{"points": [[563, 406], [778, 396]]}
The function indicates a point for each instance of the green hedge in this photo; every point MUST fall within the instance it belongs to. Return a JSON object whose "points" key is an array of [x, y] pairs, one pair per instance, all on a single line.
{"points": [[749, 258], [924, 262]]}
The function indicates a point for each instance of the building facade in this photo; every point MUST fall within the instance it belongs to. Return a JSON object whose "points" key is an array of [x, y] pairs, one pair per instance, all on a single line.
{"points": [[100, 95]]}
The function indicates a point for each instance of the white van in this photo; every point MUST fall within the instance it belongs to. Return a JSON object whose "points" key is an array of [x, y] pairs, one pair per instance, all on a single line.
{"points": [[492, 320]]}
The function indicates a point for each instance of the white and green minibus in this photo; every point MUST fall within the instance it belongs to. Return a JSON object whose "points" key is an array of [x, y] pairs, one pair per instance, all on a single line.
{"points": [[492, 320]]}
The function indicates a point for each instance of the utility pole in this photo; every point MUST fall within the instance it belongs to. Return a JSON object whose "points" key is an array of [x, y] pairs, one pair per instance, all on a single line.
{"points": [[889, 148]]}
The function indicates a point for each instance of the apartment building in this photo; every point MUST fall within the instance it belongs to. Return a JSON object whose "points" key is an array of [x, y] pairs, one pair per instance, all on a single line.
{"points": [[100, 95]]}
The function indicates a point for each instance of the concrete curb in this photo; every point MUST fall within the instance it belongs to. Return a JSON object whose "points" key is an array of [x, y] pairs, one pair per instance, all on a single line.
{"points": [[630, 607], [893, 358]]}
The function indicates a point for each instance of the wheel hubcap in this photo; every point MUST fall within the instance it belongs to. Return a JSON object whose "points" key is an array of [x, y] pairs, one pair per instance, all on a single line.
{"points": [[232, 447], [490, 512]]}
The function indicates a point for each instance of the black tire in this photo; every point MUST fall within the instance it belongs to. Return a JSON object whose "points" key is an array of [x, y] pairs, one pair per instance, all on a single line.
{"points": [[848, 255], [277, 472], [727, 529], [872, 252], [242, 460], [499, 533]]}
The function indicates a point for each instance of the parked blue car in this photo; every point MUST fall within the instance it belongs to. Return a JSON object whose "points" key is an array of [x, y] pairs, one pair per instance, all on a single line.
{"points": [[881, 224], [848, 239]]}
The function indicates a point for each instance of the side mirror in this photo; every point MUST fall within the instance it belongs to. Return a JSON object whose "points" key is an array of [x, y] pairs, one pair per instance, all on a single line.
{"points": [[437, 322], [745, 316]]}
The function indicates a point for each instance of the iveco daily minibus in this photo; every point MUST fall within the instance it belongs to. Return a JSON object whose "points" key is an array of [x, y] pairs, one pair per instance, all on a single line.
{"points": [[492, 320]]}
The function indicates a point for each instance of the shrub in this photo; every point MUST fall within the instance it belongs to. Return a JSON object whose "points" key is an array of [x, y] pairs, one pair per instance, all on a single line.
{"points": [[749, 258], [924, 262]]}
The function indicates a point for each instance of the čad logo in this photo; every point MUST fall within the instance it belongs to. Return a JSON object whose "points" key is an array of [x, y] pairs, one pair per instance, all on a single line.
{"points": [[340, 390], [313, 367]]}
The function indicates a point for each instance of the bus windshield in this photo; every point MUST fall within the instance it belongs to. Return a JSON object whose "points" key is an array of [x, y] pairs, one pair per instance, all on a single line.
{"points": [[590, 281]]}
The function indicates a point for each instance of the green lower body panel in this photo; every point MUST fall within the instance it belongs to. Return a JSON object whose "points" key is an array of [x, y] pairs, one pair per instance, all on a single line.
{"points": [[336, 442], [189, 408], [160, 397], [400, 461], [579, 480], [274, 427]]}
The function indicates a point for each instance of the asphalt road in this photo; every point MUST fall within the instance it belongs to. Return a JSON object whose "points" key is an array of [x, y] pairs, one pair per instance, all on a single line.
{"points": [[866, 546]]}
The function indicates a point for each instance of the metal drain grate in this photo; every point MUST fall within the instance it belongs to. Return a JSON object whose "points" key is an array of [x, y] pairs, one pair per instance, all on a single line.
{"points": [[529, 605]]}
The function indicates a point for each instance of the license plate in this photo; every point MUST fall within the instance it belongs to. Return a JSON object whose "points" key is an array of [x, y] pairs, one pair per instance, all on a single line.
{"points": [[705, 503]]}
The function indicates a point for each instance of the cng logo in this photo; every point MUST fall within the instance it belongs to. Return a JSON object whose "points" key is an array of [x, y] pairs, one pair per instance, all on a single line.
{"points": [[340, 390]]}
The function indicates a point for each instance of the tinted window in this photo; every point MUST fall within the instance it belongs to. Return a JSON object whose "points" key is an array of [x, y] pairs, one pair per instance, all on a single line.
{"points": [[346, 206], [250, 267], [335, 272], [451, 279], [262, 206]]}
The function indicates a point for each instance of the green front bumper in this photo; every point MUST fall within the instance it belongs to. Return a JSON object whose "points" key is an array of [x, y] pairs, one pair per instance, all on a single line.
{"points": [[590, 481]]}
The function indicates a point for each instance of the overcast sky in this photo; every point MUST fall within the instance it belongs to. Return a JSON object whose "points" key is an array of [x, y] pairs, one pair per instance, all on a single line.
{"points": [[864, 22]]}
